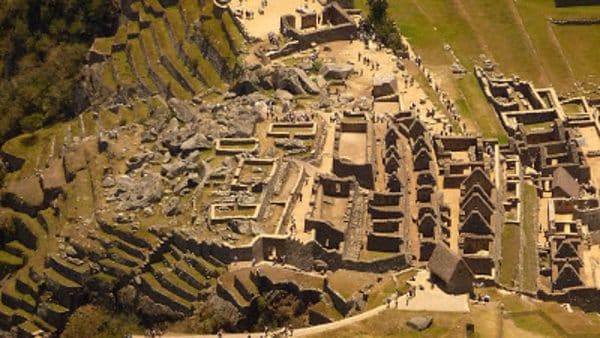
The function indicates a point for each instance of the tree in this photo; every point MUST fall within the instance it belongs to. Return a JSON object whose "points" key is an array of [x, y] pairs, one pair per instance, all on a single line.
{"points": [[378, 11]]}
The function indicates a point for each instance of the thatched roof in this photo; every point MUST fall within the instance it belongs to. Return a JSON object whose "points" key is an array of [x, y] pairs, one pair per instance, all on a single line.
{"points": [[561, 179], [478, 176], [443, 262]]}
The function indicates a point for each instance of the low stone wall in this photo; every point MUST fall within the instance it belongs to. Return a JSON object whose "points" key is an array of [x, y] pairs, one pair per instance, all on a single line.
{"points": [[587, 298], [339, 302], [567, 3]]}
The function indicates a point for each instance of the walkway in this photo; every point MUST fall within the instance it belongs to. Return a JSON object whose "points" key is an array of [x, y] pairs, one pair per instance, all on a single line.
{"points": [[313, 330]]}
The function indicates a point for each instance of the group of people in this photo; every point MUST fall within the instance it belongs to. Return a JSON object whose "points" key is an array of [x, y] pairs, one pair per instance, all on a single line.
{"points": [[366, 60], [153, 333]]}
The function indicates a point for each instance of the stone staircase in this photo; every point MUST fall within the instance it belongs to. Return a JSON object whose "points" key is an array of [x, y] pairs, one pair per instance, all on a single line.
{"points": [[178, 278]]}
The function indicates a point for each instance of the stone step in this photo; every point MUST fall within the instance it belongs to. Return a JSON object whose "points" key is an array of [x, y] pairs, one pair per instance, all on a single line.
{"points": [[18, 249], [168, 49], [161, 76], [123, 257], [108, 241], [189, 54], [10, 260], [60, 280], [137, 60], [74, 272], [55, 314], [158, 293], [6, 316], [226, 289], [202, 266], [142, 239], [115, 268], [24, 317], [14, 299], [191, 275], [170, 281], [26, 285], [122, 70], [153, 7], [190, 10]]}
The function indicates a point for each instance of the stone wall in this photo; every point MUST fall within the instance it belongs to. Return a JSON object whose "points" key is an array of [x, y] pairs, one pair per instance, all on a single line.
{"points": [[566, 3], [383, 242], [342, 28], [364, 173]]}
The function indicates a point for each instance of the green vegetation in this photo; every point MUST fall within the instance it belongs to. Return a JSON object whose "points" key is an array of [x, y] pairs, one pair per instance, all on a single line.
{"points": [[43, 45], [94, 321], [529, 260], [516, 35], [511, 241], [383, 24]]}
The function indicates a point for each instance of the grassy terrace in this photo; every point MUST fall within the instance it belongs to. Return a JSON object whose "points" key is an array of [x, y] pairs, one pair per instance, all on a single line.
{"points": [[51, 274], [123, 69], [511, 241], [213, 31], [139, 59], [9, 261], [108, 77], [115, 267], [190, 9], [133, 28], [233, 32], [171, 278], [165, 77], [103, 45], [156, 286], [166, 46], [202, 65], [529, 261]]}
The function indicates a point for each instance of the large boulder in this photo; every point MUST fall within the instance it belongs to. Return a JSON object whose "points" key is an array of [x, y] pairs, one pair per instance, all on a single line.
{"points": [[248, 83], [137, 193], [182, 110], [196, 142], [336, 71], [295, 81], [419, 323], [384, 84]]}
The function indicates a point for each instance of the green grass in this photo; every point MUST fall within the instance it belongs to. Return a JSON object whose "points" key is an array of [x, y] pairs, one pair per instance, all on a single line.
{"points": [[152, 57], [123, 69], [213, 31], [191, 10], [9, 260], [517, 36], [572, 108], [231, 29], [121, 35], [138, 58], [511, 242], [529, 263], [60, 279], [103, 45], [133, 28], [166, 46], [537, 323], [108, 77], [80, 201]]}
